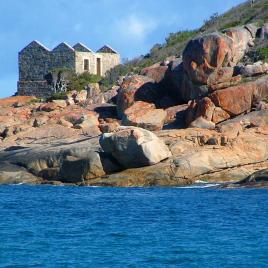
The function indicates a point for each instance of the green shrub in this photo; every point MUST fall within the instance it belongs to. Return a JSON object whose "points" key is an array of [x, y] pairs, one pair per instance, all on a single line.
{"points": [[230, 25], [58, 96], [263, 54], [79, 82], [179, 37]]}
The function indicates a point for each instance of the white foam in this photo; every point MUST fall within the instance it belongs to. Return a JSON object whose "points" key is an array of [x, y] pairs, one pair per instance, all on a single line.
{"points": [[205, 185]]}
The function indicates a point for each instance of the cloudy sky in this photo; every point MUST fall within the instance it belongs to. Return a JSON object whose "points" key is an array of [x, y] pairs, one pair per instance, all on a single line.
{"points": [[131, 27]]}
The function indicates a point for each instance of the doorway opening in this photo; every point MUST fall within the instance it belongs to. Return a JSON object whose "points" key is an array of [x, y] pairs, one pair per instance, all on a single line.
{"points": [[98, 66]]}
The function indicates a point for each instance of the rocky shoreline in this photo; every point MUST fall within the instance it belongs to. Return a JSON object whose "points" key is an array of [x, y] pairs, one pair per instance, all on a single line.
{"points": [[200, 117]]}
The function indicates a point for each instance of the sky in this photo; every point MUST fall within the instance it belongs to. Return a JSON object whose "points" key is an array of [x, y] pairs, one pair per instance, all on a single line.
{"points": [[130, 27]]}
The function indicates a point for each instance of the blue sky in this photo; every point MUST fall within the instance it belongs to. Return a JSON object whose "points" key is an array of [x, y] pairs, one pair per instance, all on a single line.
{"points": [[130, 27]]}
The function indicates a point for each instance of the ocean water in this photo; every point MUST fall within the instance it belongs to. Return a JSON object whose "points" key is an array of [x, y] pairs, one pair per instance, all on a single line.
{"points": [[48, 226]]}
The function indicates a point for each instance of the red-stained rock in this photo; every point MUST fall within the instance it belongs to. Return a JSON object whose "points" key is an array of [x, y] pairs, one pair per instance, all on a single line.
{"points": [[17, 99], [156, 72], [109, 127], [209, 59], [219, 115], [233, 82], [144, 115], [238, 99], [205, 55], [234, 100], [242, 38], [222, 75], [174, 112], [202, 108], [135, 88], [48, 107], [205, 108]]}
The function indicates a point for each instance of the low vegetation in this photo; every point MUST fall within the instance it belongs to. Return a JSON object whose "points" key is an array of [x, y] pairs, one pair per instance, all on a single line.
{"points": [[263, 54], [79, 82]]}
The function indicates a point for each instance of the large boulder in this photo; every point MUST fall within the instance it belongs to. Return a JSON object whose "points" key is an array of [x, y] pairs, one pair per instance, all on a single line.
{"points": [[74, 169], [144, 115], [242, 38], [135, 88], [10, 173], [111, 95], [176, 114], [156, 72], [134, 147], [205, 55], [93, 89], [209, 59], [179, 85], [238, 99]]}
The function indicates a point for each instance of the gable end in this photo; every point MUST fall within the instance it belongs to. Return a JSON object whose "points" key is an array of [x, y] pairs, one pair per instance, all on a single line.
{"points": [[107, 49], [81, 48]]}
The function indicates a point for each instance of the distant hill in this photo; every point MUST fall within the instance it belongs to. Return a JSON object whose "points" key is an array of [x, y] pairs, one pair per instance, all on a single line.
{"points": [[174, 44]]}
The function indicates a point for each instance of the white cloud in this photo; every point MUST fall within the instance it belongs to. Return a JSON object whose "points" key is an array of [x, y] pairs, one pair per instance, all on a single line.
{"points": [[134, 27]]}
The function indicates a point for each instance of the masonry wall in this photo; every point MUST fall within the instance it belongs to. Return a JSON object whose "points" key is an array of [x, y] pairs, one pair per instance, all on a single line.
{"points": [[39, 89], [108, 61], [34, 62], [63, 57], [79, 62]]}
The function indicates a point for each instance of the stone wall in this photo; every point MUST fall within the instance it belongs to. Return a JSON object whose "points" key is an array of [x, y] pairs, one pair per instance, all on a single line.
{"points": [[79, 62], [63, 56], [34, 62], [108, 61], [40, 89]]}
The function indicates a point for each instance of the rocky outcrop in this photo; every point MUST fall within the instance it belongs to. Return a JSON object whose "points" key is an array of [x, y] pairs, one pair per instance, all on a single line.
{"points": [[84, 140], [256, 180], [232, 152], [223, 104], [238, 99], [156, 72], [134, 147], [144, 115], [136, 88], [257, 177], [209, 59]]}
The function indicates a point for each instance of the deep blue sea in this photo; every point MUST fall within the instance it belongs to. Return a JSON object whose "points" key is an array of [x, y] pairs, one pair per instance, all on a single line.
{"points": [[49, 226]]}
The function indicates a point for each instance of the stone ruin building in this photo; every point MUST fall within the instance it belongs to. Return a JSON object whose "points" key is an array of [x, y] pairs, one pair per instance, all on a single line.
{"points": [[36, 64]]}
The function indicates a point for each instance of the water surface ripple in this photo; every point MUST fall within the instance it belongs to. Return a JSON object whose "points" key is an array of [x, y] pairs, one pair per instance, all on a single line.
{"points": [[46, 226]]}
